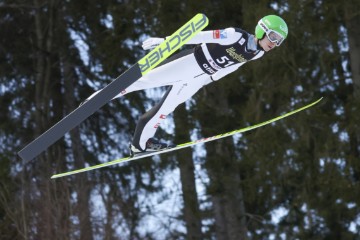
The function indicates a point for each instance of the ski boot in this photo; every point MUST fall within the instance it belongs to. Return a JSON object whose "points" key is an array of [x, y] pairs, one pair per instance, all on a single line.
{"points": [[152, 145]]}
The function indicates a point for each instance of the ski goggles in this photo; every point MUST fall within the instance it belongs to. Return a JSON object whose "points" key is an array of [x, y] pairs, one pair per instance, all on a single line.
{"points": [[272, 35]]}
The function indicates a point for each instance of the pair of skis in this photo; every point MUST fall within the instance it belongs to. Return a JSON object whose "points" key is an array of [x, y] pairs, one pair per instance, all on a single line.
{"points": [[150, 61]]}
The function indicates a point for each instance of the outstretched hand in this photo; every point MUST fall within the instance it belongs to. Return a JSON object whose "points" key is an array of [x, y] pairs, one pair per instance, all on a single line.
{"points": [[151, 43]]}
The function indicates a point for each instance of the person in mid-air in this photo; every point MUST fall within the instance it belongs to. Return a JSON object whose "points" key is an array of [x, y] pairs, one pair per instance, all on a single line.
{"points": [[218, 53]]}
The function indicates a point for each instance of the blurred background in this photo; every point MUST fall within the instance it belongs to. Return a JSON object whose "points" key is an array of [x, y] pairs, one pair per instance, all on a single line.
{"points": [[296, 179]]}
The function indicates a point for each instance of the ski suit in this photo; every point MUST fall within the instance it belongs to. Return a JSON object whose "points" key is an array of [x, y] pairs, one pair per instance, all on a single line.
{"points": [[220, 52]]}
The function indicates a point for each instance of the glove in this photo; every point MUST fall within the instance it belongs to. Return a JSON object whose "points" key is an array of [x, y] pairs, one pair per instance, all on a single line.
{"points": [[151, 43]]}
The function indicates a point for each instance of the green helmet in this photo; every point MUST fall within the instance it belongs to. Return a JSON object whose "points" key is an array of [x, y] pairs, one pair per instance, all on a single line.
{"points": [[272, 24]]}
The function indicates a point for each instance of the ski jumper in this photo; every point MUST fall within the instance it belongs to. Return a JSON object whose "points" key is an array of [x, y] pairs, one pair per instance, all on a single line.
{"points": [[220, 53]]}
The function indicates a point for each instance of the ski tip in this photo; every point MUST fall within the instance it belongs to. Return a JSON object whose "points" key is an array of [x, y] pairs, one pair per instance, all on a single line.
{"points": [[203, 17], [317, 101]]}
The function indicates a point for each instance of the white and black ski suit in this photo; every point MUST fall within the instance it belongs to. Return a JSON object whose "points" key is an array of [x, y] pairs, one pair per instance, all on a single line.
{"points": [[220, 53]]}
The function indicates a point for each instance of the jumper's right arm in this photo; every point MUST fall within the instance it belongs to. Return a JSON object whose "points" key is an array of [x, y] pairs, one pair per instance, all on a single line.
{"points": [[223, 37]]}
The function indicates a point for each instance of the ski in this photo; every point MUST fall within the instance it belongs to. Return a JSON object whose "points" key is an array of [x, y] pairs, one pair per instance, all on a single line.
{"points": [[151, 60], [188, 144]]}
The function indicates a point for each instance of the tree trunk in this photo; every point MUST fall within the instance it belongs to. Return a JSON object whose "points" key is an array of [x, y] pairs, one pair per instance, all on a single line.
{"points": [[44, 42], [352, 19], [82, 186], [221, 164], [226, 192], [187, 176]]}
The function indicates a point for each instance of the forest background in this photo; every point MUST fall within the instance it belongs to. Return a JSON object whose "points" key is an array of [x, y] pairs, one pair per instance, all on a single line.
{"points": [[296, 179]]}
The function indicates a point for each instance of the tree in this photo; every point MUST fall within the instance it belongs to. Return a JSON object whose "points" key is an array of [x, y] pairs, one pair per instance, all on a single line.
{"points": [[297, 178], [192, 215]]}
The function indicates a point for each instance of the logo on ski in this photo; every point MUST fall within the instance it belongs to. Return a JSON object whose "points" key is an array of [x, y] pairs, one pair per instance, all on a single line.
{"points": [[172, 43]]}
